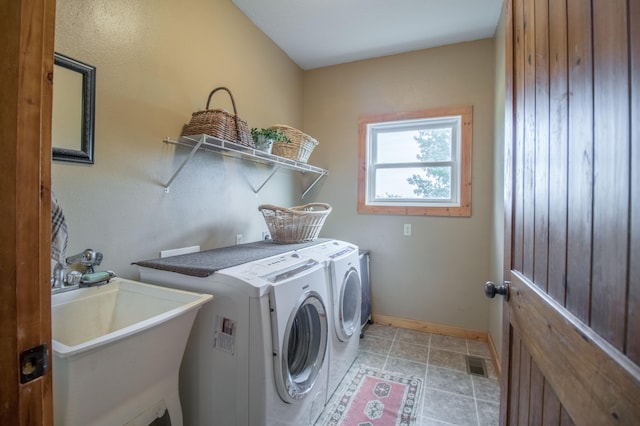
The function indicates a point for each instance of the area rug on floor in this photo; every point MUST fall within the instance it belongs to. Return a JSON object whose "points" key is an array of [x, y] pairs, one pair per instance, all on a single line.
{"points": [[373, 397]]}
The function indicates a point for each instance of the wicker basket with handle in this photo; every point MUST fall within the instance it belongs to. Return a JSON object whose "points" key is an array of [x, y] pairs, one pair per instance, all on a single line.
{"points": [[300, 147], [220, 123], [295, 224]]}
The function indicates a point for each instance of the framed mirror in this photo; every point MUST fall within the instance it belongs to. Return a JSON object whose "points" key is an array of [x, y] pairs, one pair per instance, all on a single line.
{"points": [[74, 87]]}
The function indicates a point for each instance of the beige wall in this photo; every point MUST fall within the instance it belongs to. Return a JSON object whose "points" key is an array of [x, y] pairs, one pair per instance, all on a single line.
{"points": [[437, 274], [155, 64]]}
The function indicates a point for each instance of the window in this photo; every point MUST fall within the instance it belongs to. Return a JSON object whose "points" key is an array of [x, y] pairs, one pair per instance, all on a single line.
{"points": [[416, 163]]}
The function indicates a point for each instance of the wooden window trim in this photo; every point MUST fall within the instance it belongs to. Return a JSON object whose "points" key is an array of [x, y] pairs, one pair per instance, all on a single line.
{"points": [[464, 210]]}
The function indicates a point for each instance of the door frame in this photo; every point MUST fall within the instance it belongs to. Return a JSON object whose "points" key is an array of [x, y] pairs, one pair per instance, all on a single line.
{"points": [[27, 40], [505, 355]]}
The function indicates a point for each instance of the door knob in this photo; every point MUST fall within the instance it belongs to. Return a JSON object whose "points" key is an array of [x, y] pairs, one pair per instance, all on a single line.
{"points": [[490, 290]]}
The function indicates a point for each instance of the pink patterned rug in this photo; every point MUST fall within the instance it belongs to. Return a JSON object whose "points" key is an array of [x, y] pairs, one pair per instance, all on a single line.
{"points": [[374, 398]]}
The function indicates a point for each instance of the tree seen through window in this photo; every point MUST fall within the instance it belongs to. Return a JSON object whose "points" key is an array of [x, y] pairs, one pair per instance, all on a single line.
{"points": [[435, 146]]}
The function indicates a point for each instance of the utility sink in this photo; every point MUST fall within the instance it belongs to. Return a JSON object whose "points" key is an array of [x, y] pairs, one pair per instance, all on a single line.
{"points": [[117, 350]]}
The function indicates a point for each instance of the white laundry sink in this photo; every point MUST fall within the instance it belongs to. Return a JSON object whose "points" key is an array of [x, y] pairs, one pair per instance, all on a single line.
{"points": [[117, 350]]}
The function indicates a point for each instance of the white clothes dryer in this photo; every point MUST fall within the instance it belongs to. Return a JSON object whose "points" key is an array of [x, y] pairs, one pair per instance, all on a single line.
{"points": [[257, 354], [343, 275]]}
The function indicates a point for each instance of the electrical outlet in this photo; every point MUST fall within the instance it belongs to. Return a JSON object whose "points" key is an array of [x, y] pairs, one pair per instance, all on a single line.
{"points": [[407, 229], [239, 239]]}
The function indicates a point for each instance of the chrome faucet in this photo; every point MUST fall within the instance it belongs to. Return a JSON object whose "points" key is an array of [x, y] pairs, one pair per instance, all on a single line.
{"points": [[57, 276], [64, 278], [88, 258]]}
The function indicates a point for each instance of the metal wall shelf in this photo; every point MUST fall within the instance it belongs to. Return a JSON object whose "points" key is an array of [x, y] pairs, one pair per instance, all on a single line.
{"points": [[210, 143]]}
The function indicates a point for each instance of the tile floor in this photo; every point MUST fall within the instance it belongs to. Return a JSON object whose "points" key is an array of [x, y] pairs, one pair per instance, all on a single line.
{"points": [[451, 396]]}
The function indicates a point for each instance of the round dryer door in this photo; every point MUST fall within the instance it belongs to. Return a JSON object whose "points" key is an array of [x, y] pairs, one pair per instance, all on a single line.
{"points": [[348, 316], [304, 348]]}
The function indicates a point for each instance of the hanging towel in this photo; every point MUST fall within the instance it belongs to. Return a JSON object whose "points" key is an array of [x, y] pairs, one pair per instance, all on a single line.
{"points": [[59, 236]]}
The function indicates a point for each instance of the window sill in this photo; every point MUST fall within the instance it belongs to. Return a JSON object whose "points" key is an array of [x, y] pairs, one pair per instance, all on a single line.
{"points": [[462, 211]]}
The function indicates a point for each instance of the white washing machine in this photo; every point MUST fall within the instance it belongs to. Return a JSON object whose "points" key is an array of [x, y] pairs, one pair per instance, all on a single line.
{"points": [[257, 354], [343, 275]]}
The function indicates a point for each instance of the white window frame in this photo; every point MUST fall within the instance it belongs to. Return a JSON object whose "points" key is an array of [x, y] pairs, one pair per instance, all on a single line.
{"points": [[454, 123], [459, 119]]}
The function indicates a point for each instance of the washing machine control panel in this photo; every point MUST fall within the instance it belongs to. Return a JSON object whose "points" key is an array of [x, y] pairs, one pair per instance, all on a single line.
{"points": [[329, 251], [342, 252], [273, 269], [291, 272]]}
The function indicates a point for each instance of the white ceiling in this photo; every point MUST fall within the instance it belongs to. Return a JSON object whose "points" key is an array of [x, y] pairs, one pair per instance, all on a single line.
{"points": [[318, 33]]}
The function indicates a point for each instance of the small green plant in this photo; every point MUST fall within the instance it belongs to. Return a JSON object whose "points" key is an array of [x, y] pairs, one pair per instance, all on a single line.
{"points": [[274, 135]]}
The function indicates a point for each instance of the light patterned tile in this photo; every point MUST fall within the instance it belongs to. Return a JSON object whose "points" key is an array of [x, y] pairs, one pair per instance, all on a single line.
{"points": [[449, 407], [486, 389], [479, 348], [413, 336], [380, 330], [447, 359], [449, 380], [425, 421], [370, 359], [488, 413], [448, 391], [409, 351], [403, 366], [449, 343], [375, 344], [491, 369]]}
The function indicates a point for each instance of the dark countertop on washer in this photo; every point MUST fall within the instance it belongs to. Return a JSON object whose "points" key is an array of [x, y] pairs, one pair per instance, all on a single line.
{"points": [[205, 263]]}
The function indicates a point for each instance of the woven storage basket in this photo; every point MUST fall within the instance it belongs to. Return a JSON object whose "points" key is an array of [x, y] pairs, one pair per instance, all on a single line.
{"points": [[296, 224], [220, 123], [300, 147]]}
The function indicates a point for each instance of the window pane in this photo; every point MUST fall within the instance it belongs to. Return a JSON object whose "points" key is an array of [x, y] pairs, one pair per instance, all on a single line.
{"points": [[397, 147], [414, 183], [435, 144], [409, 146]]}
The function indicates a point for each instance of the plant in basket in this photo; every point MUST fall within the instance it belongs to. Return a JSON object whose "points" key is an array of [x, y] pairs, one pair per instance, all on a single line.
{"points": [[264, 138], [300, 147]]}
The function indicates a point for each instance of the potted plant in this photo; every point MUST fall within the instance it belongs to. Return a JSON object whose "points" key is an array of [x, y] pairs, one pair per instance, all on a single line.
{"points": [[264, 138]]}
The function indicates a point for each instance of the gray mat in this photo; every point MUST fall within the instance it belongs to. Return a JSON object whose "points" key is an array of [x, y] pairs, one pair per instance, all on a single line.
{"points": [[205, 263]]}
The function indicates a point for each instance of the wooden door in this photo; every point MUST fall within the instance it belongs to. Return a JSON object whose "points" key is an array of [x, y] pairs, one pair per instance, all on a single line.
{"points": [[571, 328], [26, 40]]}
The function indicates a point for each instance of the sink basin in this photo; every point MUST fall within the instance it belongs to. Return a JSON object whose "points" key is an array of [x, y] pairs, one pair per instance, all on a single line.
{"points": [[117, 350]]}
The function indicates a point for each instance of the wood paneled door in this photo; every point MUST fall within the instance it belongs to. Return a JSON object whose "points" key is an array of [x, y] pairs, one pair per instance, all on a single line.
{"points": [[571, 328]]}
